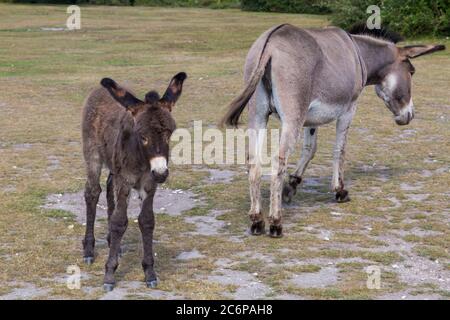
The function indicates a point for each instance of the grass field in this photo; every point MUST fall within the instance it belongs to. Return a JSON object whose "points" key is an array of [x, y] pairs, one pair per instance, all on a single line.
{"points": [[398, 177]]}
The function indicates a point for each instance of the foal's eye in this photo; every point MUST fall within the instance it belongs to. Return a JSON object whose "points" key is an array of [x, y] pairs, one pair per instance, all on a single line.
{"points": [[144, 140]]}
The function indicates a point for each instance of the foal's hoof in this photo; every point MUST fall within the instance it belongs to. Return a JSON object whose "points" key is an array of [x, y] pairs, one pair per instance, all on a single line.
{"points": [[88, 260], [257, 228], [152, 284], [342, 196], [288, 193], [276, 231], [108, 287]]}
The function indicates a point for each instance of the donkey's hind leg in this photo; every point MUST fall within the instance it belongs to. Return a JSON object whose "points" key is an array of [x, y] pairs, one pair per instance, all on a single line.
{"points": [[91, 194], [308, 152], [258, 116]]}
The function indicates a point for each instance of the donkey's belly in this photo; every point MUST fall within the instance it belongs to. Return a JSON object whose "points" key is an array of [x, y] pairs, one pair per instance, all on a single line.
{"points": [[321, 113]]}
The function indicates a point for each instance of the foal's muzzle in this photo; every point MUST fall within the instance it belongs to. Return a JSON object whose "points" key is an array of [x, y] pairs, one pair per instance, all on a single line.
{"points": [[159, 169]]}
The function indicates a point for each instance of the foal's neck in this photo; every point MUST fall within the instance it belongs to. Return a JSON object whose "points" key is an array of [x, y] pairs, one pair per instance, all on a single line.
{"points": [[376, 55]]}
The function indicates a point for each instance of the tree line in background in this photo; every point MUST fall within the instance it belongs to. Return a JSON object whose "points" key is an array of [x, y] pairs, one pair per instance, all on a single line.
{"points": [[409, 17]]}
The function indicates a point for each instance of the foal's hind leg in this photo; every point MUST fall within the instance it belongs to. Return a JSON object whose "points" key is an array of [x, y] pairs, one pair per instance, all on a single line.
{"points": [[342, 126], [91, 194], [258, 116], [308, 152]]}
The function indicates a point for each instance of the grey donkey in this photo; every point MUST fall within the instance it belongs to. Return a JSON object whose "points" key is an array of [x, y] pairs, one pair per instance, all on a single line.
{"points": [[308, 78]]}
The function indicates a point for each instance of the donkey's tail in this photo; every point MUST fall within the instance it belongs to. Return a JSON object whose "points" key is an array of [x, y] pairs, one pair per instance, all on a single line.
{"points": [[239, 103]]}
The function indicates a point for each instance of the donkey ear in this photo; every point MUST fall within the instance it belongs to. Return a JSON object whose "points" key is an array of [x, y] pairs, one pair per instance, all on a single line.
{"points": [[420, 50], [173, 92], [120, 94]]}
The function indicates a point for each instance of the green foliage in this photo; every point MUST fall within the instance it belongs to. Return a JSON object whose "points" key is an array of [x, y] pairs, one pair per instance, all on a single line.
{"points": [[414, 17], [293, 6], [217, 4], [409, 17]]}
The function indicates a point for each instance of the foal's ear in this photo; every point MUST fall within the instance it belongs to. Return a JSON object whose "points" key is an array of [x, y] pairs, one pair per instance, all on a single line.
{"points": [[173, 91], [120, 94], [420, 50]]}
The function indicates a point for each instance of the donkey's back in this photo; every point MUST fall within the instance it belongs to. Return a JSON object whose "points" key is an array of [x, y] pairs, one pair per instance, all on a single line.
{"points": [[100, 126]]}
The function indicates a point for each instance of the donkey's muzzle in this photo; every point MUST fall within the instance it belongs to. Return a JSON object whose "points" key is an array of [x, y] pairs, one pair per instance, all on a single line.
{"points": [[159, 169], [160, 177], [404, 119], [406, 114]]}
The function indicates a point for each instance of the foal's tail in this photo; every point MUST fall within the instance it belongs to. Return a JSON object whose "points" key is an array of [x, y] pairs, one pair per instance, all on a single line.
{"points": [[239, 103]]}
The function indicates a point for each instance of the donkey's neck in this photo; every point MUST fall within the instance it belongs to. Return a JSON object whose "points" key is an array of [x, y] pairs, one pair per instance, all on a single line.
{"points": [[376, 55]]}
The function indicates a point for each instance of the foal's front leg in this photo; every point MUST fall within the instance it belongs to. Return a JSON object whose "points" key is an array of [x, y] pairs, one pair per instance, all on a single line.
{"points": [[342, 126], [147, 225], [117, 225]]}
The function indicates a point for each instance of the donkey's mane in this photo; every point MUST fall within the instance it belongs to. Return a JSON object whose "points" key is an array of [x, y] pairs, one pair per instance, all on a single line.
{"points": [[383, 33]]}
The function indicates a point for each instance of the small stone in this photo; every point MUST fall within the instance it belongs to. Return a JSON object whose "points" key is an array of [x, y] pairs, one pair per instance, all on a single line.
{"points": [[333, 213], [135, 220], [403, 297], [395, 266], [326, 239], [70, 226], [255, 274]]}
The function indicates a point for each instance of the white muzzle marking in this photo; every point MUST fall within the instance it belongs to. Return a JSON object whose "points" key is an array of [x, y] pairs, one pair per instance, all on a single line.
{"points": [[158, 165], [408, 110]]}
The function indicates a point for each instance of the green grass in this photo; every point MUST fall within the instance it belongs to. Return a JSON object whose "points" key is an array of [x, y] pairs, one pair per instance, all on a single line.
{"points": [[45, 76]]}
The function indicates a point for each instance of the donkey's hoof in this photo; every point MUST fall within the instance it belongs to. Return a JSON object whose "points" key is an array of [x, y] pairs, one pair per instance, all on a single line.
{"points": [[88, 260], [276, 231], [342, 196], [257, 228], [108, 287], [152, 283], [288, 193]]}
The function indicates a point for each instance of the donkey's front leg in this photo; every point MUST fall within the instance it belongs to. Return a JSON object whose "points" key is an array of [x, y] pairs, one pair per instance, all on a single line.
{"points": [[117, 225], [147, 225], [289, 135], [342, 126]]}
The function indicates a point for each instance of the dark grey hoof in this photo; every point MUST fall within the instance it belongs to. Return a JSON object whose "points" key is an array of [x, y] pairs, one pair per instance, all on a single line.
{"points": [[276, 231], [342, 196], [288, 193], [257, 228], [88, 260], [108, 287], [152, 284]]}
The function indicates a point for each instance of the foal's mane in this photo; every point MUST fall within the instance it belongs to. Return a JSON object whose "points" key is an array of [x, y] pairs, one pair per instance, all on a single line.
{"points": [[382, 34]]}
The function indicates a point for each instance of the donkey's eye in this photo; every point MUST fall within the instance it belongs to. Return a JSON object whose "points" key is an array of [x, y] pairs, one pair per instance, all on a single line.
{"points": [[144, 140]]}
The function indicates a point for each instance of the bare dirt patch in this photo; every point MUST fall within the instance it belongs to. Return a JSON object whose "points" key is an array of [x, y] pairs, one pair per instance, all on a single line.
{"points": [[166, 201]]}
